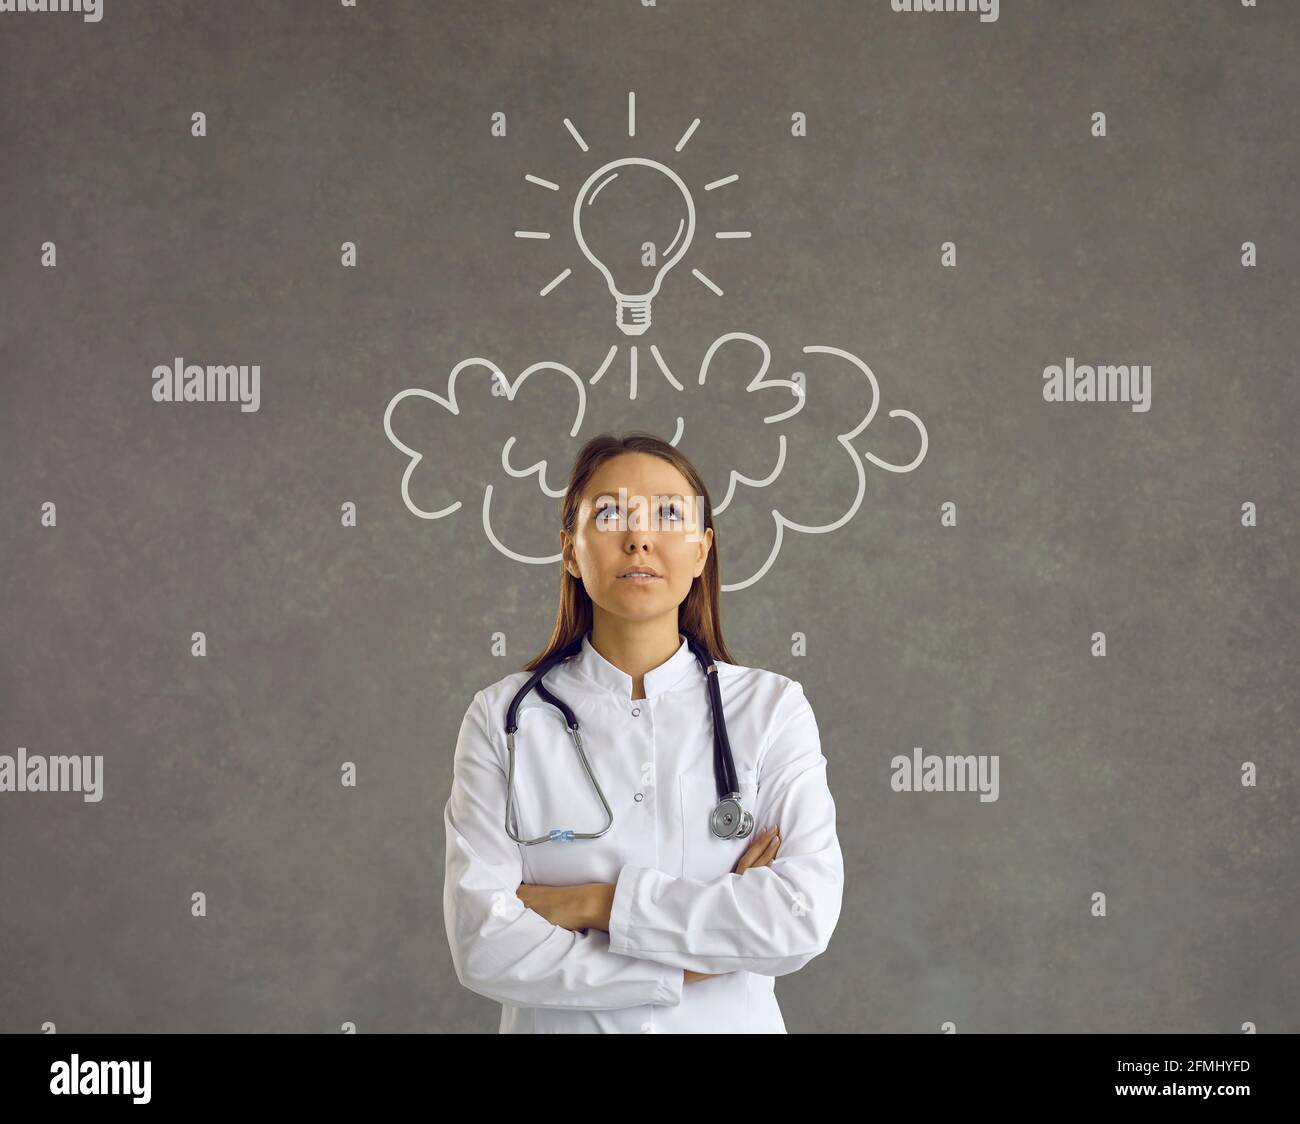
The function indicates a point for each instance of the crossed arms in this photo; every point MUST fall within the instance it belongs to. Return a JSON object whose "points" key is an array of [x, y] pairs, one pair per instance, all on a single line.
{"points": [[631, 942]]}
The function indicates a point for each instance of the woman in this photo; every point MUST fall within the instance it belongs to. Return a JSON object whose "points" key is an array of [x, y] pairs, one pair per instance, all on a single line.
{"points": [[656, 923]]}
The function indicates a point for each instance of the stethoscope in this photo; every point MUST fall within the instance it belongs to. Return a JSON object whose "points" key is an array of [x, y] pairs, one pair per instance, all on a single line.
{"points": [[728, 820]]}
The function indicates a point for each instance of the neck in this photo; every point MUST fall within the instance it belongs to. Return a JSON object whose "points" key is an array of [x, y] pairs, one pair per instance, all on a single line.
{"points": [[635, 646]]}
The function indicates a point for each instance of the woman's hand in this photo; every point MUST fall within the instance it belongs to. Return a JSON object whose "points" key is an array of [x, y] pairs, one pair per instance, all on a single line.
{"points": [[760, 853], [570, 907]]}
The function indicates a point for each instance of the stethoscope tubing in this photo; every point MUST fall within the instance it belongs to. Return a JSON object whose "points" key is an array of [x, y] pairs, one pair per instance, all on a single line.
{"points": [[724, 765]]}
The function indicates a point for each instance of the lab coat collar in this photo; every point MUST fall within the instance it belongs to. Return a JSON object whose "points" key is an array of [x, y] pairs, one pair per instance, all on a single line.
{"points": [[657, 680]]}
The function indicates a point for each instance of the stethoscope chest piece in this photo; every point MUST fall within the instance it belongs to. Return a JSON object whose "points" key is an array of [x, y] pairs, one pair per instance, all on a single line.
{"points": [[730, 820]]}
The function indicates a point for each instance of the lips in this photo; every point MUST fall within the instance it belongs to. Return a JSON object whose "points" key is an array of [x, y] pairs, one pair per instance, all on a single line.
{"points": [[638, 575]]}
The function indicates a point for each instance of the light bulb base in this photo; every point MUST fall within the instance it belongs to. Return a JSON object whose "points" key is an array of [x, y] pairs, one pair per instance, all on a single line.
{"points": [[633, 315]]}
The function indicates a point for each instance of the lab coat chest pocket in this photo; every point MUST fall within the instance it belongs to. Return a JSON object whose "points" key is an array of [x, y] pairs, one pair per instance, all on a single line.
{"points": [[704, 855]]}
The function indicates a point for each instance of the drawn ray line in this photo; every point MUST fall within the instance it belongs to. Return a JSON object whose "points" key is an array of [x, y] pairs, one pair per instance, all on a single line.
{"points": [[582, 144], [631, 113], [721, 183], [705, 281], [531, 234], [547, 183], [555, 282], [609, 358], [687, 135], [731, 234], [654, 350]]}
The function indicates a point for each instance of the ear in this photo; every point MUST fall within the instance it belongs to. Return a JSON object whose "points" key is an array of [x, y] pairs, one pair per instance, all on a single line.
{"points": [[702, 550], [566, 554]]}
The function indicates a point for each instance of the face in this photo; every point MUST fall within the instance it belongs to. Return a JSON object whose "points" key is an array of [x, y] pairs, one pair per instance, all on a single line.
{"points": [[654, 523]]}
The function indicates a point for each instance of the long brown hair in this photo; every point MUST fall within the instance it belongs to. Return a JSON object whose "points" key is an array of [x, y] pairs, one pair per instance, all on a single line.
{"points": [[698, 615]]}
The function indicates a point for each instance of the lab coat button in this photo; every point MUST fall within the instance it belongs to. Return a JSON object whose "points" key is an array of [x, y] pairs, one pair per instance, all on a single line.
{"points": [[639, 797], [636, 710]]}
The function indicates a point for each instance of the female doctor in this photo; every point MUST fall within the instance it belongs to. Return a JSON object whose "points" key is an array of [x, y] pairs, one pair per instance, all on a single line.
{"points": [[589, 891]]}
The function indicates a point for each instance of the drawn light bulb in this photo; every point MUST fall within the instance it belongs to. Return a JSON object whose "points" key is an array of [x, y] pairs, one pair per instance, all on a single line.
{"points": [[632, 185]]}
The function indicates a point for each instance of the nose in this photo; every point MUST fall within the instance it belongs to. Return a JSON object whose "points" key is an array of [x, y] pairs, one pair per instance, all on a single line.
{"points": [[638, 547]]}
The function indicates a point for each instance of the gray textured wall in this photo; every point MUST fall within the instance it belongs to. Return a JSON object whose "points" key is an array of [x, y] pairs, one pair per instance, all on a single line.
{"points": [[327, 643]]}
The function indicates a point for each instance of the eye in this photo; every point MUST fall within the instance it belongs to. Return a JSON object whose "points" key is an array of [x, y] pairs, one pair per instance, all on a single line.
{"points": [[608, 510], [674, 512]]}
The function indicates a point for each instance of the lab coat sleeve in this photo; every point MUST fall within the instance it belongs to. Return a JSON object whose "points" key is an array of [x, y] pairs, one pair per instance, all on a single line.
{"points": [[770, 920], [502, 949]]}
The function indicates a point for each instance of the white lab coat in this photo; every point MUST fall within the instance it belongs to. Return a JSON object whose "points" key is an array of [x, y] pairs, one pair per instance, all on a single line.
{"points": [[677, 903]]}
